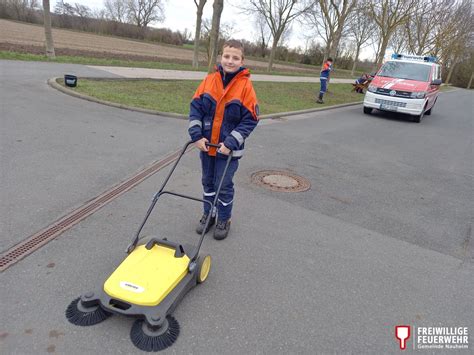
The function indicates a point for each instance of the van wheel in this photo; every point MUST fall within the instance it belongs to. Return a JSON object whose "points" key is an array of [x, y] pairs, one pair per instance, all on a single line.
{"points": [[418, 118], [429, 111], [368, 110]]}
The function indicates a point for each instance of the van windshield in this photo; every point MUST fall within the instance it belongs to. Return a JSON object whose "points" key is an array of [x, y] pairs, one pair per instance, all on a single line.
{"points": [[404, 70]]}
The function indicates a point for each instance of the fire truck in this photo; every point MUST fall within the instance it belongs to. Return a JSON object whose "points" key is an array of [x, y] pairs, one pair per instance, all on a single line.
{"points": [[407, 84]]}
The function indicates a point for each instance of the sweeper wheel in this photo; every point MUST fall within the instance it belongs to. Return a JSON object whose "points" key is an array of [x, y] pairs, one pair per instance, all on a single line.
{"points": [[204, 266], [149, 338], [78, 314]]}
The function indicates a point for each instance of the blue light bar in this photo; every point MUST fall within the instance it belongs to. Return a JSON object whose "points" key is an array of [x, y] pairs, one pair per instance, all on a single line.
{"points": [[430, 59]]}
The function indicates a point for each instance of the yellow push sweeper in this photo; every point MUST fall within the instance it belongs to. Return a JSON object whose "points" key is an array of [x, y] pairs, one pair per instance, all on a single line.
{"points": [[150, 282]]}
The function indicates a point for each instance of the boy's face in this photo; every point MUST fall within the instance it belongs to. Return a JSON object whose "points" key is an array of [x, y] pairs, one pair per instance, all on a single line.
{"points": [[231, 59]]}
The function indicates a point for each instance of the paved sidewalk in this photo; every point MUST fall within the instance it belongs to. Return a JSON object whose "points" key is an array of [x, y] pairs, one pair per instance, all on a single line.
{"points": [[197, 75]]}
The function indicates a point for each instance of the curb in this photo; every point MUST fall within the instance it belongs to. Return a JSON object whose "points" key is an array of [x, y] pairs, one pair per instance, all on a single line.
{"points": [[53, 82], [301, 112]]}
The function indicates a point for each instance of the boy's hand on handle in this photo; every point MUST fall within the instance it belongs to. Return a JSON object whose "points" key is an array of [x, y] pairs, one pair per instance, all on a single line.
{"points": [[223, 149], [201, 144]]}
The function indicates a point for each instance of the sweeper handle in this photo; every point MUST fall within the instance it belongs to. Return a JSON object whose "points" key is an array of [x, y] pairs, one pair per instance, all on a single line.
{"points": [[155, 199], [132, 246]]}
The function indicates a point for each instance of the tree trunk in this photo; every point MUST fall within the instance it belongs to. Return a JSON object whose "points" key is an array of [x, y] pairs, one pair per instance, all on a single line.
{"points": [[327, 50], [450, 72], [381, 54], [470, 81], [355, 61], [197, 35], [335, 44], [47, 31], [272, 53], [216, 20]]}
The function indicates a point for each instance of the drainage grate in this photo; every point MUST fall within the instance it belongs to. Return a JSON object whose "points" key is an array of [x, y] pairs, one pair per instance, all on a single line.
{"points": [[37, 240], [283, 181]]}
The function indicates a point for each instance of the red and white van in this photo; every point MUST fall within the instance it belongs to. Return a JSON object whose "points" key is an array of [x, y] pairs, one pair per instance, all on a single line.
{"points": [[406, 83]]}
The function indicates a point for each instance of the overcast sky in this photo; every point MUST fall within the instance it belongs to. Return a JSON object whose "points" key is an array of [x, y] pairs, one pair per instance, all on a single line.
{"points": [[181, 14]]}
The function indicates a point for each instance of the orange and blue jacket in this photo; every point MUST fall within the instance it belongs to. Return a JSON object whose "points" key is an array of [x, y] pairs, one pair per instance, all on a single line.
{"points": [[326, 69], [224, 111]]}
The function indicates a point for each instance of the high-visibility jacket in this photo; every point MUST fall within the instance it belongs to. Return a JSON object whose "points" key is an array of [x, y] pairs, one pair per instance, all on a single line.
{"points": [[327, 68], [224, 115]]}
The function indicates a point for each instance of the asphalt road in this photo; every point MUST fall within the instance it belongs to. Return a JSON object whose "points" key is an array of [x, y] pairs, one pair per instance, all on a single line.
{"points": [[382, 238]]}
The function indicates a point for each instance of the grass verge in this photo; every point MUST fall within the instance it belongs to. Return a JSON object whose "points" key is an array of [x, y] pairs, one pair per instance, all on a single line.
{"points": [[11, 55], [175, 96]]}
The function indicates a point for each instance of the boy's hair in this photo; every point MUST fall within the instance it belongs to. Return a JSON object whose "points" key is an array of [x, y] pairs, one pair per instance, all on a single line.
{"points": [[233, 43], [329, 59]]}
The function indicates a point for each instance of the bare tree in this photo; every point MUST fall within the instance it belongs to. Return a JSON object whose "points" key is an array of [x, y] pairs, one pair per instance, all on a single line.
{"points": [[457, 39], [218, 6], [22, 10], [329, 18], [64, 8], [278, 14], [143, 12], [361, 28], [84, 13], [263, 34], [450, 37], [47, 30], [398, 42], [388, 16], [197, 35], [422, 28], [82, 10], [116, 10]]}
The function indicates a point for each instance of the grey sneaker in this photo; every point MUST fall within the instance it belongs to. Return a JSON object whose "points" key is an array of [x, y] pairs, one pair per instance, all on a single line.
{"points": [[202, 223], [222, 229], [319, 101]]}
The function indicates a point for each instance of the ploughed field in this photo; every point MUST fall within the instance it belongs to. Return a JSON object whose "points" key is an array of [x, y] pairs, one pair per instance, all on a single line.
{"points": [[29, 38]]}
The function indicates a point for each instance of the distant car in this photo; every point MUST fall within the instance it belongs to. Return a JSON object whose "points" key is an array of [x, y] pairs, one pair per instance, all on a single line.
{"points": [[407, 84]]}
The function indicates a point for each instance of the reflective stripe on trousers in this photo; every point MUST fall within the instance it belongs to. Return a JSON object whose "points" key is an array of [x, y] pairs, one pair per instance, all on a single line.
{"points": [[212, 169]]}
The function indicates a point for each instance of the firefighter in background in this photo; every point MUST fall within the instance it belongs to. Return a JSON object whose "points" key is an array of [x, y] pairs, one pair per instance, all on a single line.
{"points": [[323, 78], [362, 83]]}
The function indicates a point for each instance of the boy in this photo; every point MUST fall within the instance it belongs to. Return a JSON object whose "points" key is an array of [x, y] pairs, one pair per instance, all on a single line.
{"points": [[224, 111], [323, 78]]}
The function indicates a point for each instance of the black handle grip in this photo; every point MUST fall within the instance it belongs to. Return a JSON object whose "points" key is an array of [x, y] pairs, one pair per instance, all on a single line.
{"points": [[179, 250], [213, 145]]}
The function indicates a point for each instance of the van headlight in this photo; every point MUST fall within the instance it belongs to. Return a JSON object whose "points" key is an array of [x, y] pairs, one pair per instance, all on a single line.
{"points": [[372, 88], [418, 95]]}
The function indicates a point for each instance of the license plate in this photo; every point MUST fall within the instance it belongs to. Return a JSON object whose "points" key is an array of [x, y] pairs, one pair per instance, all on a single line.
{"points": [[388, 107]]}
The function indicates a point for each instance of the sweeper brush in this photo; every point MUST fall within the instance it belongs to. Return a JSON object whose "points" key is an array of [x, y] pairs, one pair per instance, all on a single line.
{"points": [[150, 282], [78, 314], [149, 338]]}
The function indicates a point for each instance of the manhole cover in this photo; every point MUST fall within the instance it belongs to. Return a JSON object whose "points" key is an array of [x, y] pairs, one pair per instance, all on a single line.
{"points": [[280, 181]]}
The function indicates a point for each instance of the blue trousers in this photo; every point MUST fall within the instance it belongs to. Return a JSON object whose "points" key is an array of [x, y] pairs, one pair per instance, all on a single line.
{"points": [[212, 169], [324, 85]]}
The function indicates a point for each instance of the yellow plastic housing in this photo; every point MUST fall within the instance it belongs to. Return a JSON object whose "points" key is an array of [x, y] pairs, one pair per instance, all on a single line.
{"points": [[146, 277]]}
